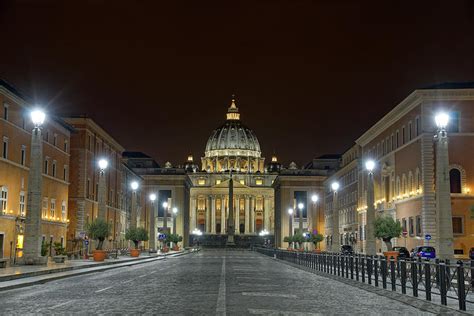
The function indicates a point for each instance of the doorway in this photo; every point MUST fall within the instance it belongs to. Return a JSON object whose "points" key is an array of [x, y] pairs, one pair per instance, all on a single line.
{"points": [[2, 237]]}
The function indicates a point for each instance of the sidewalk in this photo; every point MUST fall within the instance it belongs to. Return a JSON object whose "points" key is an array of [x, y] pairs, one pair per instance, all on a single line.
{"points": [[21, 276]]}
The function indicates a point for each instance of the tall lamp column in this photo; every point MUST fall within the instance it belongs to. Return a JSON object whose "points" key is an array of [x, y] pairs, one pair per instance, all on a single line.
{"points": [[103, 163], [336, 240], [152, 227], [33, 236], [444, 236], [370, 248], [290, 224], [133, 216]]}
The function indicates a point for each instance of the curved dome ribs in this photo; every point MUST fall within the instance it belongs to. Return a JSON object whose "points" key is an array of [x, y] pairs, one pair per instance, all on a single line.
{"points": [[233, 145]]}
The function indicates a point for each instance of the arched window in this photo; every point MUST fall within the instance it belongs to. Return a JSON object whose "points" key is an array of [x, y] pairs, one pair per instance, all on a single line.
{"points": [[455, 181]]}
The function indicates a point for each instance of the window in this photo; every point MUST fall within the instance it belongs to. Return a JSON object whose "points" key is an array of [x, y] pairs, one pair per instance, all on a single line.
{"points": [[218, 181], [458, 225], [201, 181], [46, 166], [454, 122], [418, 225], [4, 199], [5, 148], [46, 137], [242, 182], [22, 203], [63, 210], [455, 180], [397, 139], [417, 126], [88, 186], [54, 168], [65, 173], [409, 131], [403, 135], [55, 139], [23, 155], [411, 227], [404, 224], [5, 111], [52, 210], [65, 146], [392, 143], [45, 207], [90, 142]]}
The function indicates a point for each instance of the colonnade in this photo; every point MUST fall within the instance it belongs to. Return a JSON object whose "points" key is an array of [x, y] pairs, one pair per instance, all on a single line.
{"points": [[216, 211]]}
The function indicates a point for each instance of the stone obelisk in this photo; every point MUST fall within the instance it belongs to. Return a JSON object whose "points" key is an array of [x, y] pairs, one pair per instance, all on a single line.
{"points": [[230, 220]]}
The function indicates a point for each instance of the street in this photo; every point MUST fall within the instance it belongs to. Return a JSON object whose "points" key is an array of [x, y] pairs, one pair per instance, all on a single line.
{"points": [[211, 282]]}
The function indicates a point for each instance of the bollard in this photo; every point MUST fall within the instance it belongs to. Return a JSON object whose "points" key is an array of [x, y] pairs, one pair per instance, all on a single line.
{"points": [[357, 267], [392, 274], [428, 281], [461, 286], [403, 277], [362, 265], [414, 278], [352, 267], [369, 269], [383, 267], [442, 277]]}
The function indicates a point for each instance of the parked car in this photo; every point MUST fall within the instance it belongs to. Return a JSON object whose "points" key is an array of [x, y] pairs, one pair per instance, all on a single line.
{"points": [[347, 250], [403, 252], [471, 253], [424, 252]]}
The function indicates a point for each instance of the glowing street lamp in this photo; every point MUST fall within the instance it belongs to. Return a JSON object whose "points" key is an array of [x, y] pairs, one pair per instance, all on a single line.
{"points": [[290, 226], [103, 164], [370, 245], [314, 198], [175, 213], [300, 215], [370, 165], [33, 232], [102, 208], [444, 235], [165, 215], [335, 240], [152, 228], [134, 185]]}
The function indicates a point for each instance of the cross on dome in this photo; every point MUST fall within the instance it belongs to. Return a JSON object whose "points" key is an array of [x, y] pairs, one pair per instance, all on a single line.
{"points": [[233, 111]]}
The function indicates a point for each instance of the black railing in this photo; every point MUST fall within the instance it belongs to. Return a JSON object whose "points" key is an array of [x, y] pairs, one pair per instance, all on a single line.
{"points": [[437, 281]]}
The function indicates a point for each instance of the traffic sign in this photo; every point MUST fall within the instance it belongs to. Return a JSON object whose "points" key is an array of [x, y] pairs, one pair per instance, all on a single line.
{"points": [[428, 237], [86, 242], [405, 233], [162, 236]]}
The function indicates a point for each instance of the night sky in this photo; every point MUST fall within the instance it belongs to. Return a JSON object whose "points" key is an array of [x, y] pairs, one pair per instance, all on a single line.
{"points": [[309, 76]]}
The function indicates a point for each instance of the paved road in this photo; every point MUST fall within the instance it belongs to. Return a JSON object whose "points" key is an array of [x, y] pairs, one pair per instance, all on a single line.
{"points": [[213, 282]]}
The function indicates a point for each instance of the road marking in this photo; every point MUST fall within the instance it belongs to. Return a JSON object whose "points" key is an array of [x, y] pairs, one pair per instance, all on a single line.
{"points": [[221, 305], [128, 281], [258, 285], [142, 276], [153, 271], [101, 290], [59, 305], [279, 312], [268, 294], [252, 278]]}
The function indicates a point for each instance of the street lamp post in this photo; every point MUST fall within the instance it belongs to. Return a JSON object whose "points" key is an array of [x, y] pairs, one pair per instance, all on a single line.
{"points": [[33, 236], [444, 234], [370, 247], [133, 216], [336, 242], [175, 213], [290, 224], [300, 208], [103, 164], [315, 199], [152, 227], [165, 215]]}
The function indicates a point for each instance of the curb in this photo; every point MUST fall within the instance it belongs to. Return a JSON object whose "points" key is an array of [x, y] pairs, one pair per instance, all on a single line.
{"points": [[52, 276]]}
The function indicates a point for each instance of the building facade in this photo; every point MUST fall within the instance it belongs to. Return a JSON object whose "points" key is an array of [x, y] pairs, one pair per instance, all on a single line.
{"points": [[15, 132]]}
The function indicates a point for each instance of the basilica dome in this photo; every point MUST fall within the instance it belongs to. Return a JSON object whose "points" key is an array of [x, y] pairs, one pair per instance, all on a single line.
{"points": [[233, 146], [233, 138]]}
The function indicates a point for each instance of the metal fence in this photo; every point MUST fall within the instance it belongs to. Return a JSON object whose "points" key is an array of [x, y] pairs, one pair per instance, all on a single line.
{"points": [[437, 281]]}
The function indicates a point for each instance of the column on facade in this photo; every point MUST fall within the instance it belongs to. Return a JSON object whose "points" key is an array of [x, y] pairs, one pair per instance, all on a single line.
{"points": [[266, 214], [213, 214], [247, 214], [208, 224], [237, 214], [193, 214], [252, 214], [133, 210]]}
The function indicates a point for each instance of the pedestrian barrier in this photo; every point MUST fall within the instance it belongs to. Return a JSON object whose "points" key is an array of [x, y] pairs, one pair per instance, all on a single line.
{"points": [[437, 281]]}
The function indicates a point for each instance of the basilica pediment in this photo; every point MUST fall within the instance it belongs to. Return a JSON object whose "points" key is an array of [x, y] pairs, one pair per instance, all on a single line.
{"points": [[225, 184]]}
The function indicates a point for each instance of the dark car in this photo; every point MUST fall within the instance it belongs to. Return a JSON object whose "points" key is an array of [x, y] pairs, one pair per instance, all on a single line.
{"points": [[424, 252], [471, 253], [347, 250], [403, 252]]}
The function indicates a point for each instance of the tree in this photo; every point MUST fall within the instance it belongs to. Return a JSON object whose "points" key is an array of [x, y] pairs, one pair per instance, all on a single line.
{"points": [[98, 230], [299, 239], [174, 238], [316, 239], [136, 235], [387, 228]]}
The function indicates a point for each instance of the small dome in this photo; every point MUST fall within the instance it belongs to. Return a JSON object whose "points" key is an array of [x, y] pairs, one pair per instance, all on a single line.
{"points": [[233, 138]]}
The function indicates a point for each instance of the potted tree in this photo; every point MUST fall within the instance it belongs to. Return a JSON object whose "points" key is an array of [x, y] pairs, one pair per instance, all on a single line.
{"points": [[98, 230], [387, 228], [289, 240], [299, 239], [59, 253], [136, 234], [175, 239], [316, 239]]}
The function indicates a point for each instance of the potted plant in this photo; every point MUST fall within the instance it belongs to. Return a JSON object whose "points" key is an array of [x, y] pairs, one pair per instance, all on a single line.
{"points": [[136, 234], [387, 228], [60, 253], [316, 239], [299, 239], [98, 230], [289, 240], [44, 249], [174, 238]]}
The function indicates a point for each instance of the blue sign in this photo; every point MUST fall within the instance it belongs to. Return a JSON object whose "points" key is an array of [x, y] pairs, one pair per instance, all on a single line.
{"points": [[428, 237], [86, 242], [162, 236]]}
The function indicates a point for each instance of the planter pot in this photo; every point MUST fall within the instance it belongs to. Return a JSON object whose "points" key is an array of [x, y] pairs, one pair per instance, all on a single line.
{"points": [[99, 255], [289, 249], [59, 259], [390, 254], [317, 250], [165, 249], [175, 248], [134, 252], [301, 249]]}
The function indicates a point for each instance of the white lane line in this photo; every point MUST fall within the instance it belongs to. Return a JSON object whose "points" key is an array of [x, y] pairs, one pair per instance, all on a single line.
{"points": [[256, 285], [142, 276], [221, 305], [153, 271], [128, 281], [101, 290], [252, 278], [58, 305], [268, 294], [271, 312]]}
